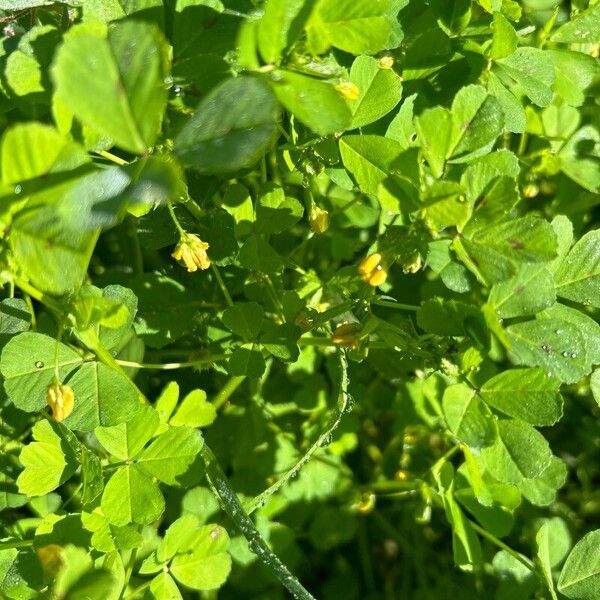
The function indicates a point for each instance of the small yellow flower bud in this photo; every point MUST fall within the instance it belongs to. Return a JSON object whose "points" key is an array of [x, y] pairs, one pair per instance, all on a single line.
{"points": [[318, 219], [531, 190], [348, 89], [347, 335], [386, 62], [366, 504], [60, 399], [51, 557], [372, 270], [190, 252]]}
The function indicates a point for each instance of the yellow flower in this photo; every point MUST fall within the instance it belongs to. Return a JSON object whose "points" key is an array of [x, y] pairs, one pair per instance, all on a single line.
{"points": [[190, 252], [318, 219], [348, 89], [372, 270], [60, 399]]}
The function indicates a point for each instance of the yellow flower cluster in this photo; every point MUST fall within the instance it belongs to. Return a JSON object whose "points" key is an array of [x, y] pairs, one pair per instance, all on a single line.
{"points": [[372, 270], [190, 252], [60, 399]]}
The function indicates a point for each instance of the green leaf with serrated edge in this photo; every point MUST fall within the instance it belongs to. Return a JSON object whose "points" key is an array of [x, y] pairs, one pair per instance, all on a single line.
{"points": [[355, 26], [578, 274], [542, 490], [162, 587], [167, 401], [580, 576], [588, 327], [207, 563], [30, 150], [244, 319], [546, 539], [194, 411], [527, 394], [380, 90], [275, 211], [515, 119], [126, 440], [280, 23], [531, 71], [238, 203], [496, 519], [48, 461], [564, 236], [107, 537], [117, 88], [369, 159], [110, 10], [170, 454], [131, 496], [528, 292], [519, 452], [314, 102], [52, 254], [555, 345], [583, 28], [231, 128], [466, 416], [179, 536]]}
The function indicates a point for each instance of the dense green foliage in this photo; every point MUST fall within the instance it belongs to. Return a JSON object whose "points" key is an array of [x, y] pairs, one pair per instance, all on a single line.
{"points": [[300, 286]]}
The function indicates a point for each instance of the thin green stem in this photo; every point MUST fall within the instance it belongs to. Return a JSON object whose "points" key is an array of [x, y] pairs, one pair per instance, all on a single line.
{"points": [[494, 540], [235, 511], [7, 545], [343, 402], [228, 389], [175, 219], [171, 366], [136, 592], [193, 208], [109, 156], [221, 284], [46, 300], [396, 305]]}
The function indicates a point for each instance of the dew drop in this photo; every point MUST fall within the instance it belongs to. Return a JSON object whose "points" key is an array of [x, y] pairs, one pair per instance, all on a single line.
{"points": [[565, 354], [39, 364], [573, 354], [558, 331], [18, 189]]}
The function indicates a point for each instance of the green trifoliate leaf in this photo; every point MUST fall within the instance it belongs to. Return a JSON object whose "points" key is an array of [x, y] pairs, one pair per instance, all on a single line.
{"points": [[131, 496], [125, 441], [580, 577], [103, 396], [369, 159], [527, 394], [115, 86], [379, 88], [231, 129], [203, 563], [163, 587], [49, 460], [520, 452], [275, 211], [555, 345], [244, 319], [170, 455]]}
